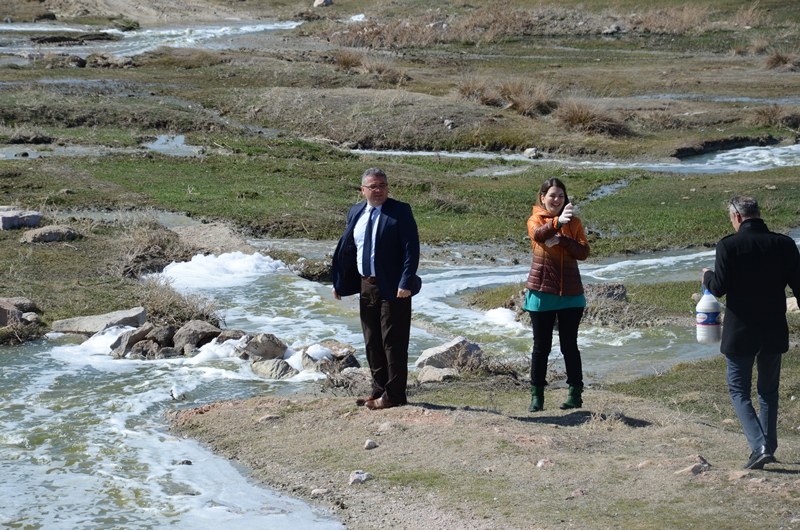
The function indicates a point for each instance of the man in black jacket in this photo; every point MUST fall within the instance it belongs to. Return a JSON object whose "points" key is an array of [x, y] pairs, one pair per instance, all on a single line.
{"points": [[753, 268], [377, 257]]}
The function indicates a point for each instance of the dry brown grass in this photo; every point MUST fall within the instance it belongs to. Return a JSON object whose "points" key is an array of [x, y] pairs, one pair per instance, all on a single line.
{"points": [[384, 69], [781, 60], [577, 115], [530, 99], [670, 20], [347, 60], [167, 306], [751, 16]]}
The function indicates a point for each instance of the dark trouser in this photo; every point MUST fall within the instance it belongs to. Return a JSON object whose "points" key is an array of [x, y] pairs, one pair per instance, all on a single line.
{"points": [[759, 429], [542, 323], [387, 327]]}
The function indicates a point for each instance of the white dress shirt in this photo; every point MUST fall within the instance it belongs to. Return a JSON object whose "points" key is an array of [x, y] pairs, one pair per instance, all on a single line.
{"points": [[358, 235]]}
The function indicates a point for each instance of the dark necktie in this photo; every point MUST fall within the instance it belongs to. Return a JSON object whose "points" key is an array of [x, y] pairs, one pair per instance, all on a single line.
{"points": [[366, 264]]}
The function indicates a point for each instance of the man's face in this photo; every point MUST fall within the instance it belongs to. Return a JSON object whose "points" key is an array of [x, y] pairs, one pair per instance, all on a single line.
{"points": [[375, 190]]}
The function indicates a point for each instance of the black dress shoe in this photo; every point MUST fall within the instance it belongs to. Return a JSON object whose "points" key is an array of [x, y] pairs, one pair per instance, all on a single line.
{"points": [[759, 458]]}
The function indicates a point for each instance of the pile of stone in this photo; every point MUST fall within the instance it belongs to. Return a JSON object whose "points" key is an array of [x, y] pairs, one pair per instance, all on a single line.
{"points": [[266, 352]]}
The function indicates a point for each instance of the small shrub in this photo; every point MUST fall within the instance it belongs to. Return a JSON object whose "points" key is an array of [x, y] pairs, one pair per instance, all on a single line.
{"points": [[472, 88], [347, 60], [783, 60], [580, 116], [674, 20], [750, 16], [166, 306], [769, 116], [384, 70], [664, 120], [530, 99], [759, 46]]}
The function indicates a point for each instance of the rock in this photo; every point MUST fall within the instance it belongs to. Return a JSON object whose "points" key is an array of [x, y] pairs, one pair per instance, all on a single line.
{"points": [[48, 234], [9, 314], [273, 369], [145, 349], [30, 317], [261, 347], [316, 492], [268, 417], [612, 291], [125, 342], [92, 324], [230, 334], [359, 477], [431, 374], [163, 335], [339, 350], [14, 218], [323, 3], [737, 475], [459, 353], [8, 20], [694, 469], [791, 305], [450, 124], [166, 353], [195, 333], [23, 304], [531, 152], [370, 444]]}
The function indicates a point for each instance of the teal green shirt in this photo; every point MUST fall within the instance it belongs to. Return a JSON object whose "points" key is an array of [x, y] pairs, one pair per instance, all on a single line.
{"points": [[539, 301]]}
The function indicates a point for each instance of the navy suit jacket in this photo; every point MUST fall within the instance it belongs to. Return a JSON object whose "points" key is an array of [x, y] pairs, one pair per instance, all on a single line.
{"points": [[396, 252], [753, 268]]}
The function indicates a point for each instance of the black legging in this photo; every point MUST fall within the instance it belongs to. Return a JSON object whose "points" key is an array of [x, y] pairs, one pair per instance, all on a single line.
{"points": [[542, 323]]}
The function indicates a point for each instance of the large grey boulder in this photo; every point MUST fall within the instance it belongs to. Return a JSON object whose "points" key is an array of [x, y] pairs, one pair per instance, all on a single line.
{"points": [[195, 333], [11, 217], [92, 324], [459, 353], [125, 342], [273, 369], [25, 305], [9, 314], [429, 374], [262, 347], [48, 234]]}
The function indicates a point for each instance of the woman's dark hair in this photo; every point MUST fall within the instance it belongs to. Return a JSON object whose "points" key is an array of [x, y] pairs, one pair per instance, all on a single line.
{"points": [[549, 183]]}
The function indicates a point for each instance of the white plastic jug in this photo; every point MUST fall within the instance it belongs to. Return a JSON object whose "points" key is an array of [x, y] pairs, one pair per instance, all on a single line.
{"points": [[707, 313]]}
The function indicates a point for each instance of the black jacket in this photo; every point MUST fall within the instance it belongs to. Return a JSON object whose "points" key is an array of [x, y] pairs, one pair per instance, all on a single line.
{"points": [[753, 268], [396, 252]]}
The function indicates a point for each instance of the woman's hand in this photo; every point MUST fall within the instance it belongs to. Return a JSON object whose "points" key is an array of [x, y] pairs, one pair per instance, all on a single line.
{"points": [[566, 215]]}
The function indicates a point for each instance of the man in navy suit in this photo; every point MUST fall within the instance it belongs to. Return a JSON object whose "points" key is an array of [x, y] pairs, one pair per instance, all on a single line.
{"points": [[377, 257]]}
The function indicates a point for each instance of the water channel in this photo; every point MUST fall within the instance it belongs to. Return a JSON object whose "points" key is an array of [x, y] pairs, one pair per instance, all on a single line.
{"points": [[83, 443]]}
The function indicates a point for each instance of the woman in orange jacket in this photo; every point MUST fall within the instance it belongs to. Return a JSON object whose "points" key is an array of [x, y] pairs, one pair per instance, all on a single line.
{"points": [[554, 289]]}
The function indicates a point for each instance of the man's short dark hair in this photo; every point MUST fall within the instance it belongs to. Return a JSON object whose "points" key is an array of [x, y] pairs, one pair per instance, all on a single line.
{"points": [[373, 172]]}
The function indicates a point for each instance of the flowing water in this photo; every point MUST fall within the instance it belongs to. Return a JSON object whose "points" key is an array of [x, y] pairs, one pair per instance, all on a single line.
{"points": [[83, 443]]}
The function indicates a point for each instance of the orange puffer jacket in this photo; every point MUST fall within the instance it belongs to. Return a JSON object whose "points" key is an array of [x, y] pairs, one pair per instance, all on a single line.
{"points": [[554, 270]]}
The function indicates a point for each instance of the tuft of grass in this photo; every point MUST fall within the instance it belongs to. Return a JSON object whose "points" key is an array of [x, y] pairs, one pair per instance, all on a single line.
{"points": [[384, 70], [671, 20], [581, 116], [750, 16], [530, 99], [781, 60], [167, 306], [347, 60]]}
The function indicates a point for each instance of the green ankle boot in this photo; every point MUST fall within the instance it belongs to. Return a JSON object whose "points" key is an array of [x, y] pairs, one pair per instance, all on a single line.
{"points": [[537, 399], [574, 400]]}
